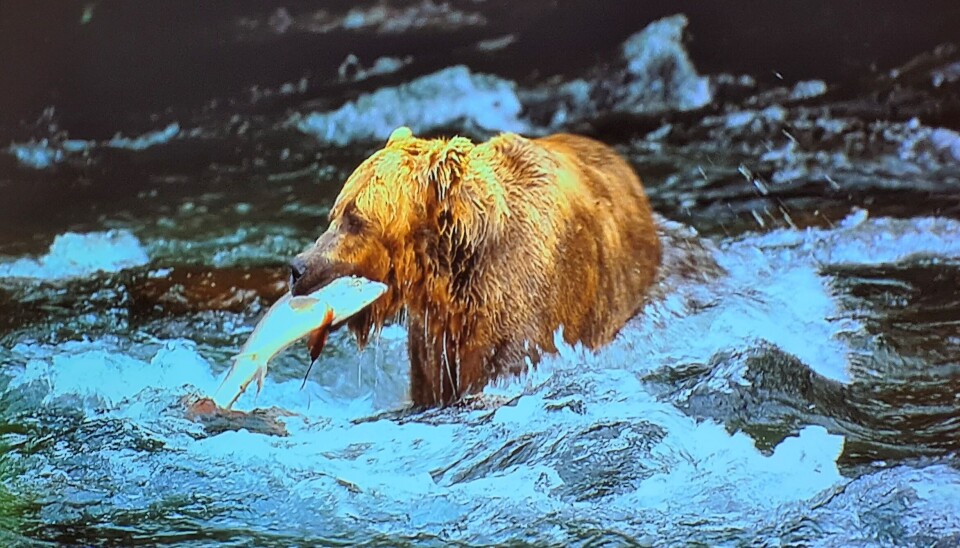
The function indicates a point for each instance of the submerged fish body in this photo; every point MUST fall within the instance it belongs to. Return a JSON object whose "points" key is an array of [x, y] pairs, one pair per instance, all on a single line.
{"points": [[287, 321]]}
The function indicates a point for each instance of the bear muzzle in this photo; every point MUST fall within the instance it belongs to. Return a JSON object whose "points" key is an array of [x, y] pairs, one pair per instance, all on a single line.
{"points": [[309, 272], [298, 267]]}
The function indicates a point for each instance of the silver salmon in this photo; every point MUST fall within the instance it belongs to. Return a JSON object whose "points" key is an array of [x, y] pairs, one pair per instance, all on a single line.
{"points": [[290, 319]]}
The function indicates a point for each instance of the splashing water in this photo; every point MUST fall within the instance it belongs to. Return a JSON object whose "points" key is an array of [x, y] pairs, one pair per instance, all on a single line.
{"points": [[588, 448], [74, 255]]}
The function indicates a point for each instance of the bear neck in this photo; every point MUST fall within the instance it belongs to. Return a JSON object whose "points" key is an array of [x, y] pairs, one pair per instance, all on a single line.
{"points": [[441, 303], [441, 285]]}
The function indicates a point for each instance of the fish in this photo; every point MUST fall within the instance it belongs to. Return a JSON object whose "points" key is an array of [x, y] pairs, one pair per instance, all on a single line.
{"points": [[287, 321]]}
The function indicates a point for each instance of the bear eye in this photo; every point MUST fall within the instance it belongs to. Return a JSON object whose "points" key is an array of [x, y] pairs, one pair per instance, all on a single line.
{"points": [[351, 222]]}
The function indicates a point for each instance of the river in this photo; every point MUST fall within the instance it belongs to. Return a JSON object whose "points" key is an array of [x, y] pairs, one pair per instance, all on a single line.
{"points": [[807, 395]]}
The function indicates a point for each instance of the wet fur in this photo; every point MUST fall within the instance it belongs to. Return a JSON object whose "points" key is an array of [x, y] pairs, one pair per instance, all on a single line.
{"points": [[489, 249]]}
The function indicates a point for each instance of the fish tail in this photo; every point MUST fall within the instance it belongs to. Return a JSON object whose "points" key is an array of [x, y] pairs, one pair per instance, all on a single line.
{"points": [[237, 368]]}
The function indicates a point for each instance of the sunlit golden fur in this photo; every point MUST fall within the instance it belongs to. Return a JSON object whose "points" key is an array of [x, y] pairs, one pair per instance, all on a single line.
{"points": [[490, 248]]}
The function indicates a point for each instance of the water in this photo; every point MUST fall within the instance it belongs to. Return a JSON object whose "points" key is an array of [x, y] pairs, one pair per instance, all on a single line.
{"points": [[807, 396]]}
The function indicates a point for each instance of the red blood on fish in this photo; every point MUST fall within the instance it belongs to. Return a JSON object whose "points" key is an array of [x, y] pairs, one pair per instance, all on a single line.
{"points": [[316, 341]]}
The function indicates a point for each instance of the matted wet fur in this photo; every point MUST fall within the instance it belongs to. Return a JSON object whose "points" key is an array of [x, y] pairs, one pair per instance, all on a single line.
{"points": [[489, 249]]}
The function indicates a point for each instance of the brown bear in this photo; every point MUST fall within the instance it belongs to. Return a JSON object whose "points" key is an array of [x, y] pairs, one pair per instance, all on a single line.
{"points": [[489, 249]]}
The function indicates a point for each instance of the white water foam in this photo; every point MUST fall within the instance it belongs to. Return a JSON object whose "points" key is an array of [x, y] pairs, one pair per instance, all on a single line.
{"points": [[584, 446], [74, 255], [436, 100]]}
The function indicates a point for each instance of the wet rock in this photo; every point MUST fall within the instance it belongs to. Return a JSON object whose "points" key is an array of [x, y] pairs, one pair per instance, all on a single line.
{"points": [[757, 390], [159, 301], [653, 75], [190, 289], [658, 75], [591, 462], [216, 420]]}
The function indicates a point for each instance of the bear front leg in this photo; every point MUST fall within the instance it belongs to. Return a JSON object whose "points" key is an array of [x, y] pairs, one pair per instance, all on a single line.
{"points": [[434, 370]]}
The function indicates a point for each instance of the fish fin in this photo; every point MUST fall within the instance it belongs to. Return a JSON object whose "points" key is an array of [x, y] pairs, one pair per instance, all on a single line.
{"points": [[303, 302], [316, 342], [231, 371], [305, 376], [244, 356]]}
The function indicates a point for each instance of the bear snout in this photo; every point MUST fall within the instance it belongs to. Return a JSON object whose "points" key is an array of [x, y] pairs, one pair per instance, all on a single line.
{"points": [[298, 267], [311, 271]]}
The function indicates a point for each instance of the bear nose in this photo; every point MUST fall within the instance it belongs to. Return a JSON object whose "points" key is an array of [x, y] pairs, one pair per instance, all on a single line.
{"points": [[298, 267]]}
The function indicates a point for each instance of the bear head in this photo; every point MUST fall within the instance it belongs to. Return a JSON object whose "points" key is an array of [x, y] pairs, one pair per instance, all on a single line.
{"points": [[416, 216]]}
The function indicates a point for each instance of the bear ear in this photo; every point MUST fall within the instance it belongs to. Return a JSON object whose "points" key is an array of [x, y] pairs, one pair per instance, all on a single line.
{"points": [[399, 134], [448, 161]]}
